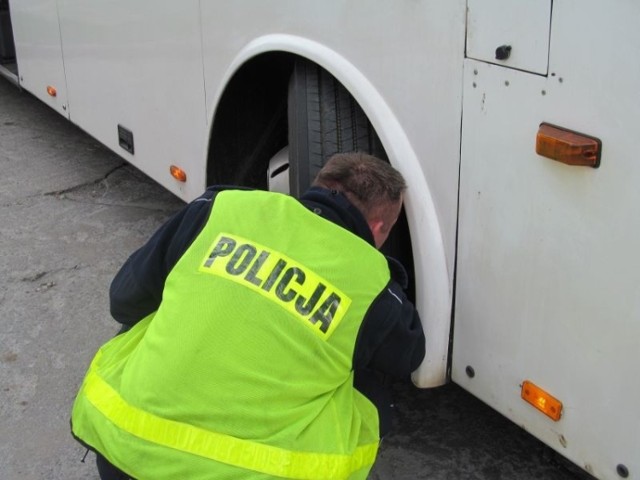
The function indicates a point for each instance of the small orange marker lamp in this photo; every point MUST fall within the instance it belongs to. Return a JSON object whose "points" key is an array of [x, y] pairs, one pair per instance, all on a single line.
{"points": [[567, 146], [543, 401], [52, 91], [178, 173]]}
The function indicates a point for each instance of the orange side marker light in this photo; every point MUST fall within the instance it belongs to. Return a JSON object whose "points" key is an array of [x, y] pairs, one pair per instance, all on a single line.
{"points": [[178, 173], [52, 91], [543, 401], [567, 146]]}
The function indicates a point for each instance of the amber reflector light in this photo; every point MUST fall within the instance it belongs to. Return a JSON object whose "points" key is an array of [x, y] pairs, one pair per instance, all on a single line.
{"points": [[568, 147], [52, 91], [547, 404], [178, 173]]}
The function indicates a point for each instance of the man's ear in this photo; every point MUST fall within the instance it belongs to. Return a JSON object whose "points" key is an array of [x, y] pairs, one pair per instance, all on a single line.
{"points": [[376, 227]]}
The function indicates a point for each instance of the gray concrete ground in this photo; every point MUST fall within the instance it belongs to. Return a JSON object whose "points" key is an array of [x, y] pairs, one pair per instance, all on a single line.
{"points": [[70, 213]]}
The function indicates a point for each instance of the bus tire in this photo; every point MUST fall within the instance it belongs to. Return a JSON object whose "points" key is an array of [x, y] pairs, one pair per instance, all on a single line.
{"points": [[323, 119]]}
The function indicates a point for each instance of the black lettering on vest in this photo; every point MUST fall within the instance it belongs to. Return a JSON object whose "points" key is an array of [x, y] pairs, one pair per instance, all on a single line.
{"points": [[273, 276], [239, 262], [312, 302], [325, 313], [223, 248], [284, 283], [255, 268]]}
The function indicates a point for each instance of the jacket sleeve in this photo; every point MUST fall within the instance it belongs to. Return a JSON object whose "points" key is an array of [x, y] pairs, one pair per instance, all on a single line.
{"points": [[136, 290], [391, 340]]}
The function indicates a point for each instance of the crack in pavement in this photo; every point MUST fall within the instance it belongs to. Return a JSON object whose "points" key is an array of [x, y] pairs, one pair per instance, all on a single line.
{"points": [[86, 184], [149, 208], [63, 194], [37, 276]]}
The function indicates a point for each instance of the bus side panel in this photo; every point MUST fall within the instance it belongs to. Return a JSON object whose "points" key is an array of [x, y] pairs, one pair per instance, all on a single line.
{"points": [[411, 52], [138, 64], [402, 62], [548, 280], [39, 51]]}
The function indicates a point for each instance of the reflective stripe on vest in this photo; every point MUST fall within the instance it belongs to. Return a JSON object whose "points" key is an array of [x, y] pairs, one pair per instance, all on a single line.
{"points": [[220, 447]]}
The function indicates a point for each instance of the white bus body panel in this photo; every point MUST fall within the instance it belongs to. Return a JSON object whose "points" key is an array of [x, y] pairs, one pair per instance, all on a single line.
{"points": [[522, 25], [39, 52], [159, 69], [139, 64], [368, 47], [548, 285]]}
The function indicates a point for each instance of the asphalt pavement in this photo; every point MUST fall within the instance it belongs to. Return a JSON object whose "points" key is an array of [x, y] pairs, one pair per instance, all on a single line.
{"points": [[71, 211]]}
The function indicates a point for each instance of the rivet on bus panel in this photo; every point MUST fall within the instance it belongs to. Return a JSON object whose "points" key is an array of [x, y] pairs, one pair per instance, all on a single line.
{"points": [[622, 470], [178, 173], [52, 91], [543, 401]]}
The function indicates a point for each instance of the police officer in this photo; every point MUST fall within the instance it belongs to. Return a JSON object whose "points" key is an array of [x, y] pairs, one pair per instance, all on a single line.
{"points": [[257, 328]]}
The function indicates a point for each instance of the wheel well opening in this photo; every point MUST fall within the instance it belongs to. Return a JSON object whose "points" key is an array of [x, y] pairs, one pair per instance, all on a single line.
{"points": [[277, 100], [250, 124]]}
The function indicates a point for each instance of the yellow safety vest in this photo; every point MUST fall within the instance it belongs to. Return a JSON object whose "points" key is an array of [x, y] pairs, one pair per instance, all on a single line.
{"points": [[245, 370]]}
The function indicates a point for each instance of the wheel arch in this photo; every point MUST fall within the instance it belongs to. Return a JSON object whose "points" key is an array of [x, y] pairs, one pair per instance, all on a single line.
{"points": [[433, 282]]}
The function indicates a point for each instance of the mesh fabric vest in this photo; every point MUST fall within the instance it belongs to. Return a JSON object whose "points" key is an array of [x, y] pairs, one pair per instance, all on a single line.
{"points": [[245, 370]]}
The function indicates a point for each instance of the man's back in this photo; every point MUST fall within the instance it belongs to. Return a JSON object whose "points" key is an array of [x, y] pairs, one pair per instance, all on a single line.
{"points": [[254, 339]]}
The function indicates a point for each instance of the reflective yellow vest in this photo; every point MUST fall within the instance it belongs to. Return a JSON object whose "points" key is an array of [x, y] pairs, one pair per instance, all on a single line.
{"points": [[245, 370]]}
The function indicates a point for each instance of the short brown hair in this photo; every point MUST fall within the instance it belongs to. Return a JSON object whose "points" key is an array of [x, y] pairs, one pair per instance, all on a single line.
{"points": [[365, 180]]}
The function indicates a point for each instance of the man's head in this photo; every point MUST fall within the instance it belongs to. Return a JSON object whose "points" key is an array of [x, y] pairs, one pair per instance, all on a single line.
{"points": [[372, 185]]}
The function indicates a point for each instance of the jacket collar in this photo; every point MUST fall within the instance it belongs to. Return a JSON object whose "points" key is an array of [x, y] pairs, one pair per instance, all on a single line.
{"points": [[336, 208]]}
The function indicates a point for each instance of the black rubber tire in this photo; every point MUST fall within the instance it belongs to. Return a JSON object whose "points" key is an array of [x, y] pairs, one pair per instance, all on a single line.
{"points": [[323, 119]]}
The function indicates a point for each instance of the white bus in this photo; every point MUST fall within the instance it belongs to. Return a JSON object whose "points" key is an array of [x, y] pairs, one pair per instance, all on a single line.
{"points": [[522, 237]]}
